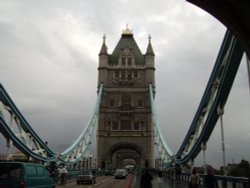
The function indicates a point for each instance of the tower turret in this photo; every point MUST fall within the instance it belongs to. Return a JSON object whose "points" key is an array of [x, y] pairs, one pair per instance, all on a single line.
{"points": [[150, 63], [104, 49], [150, 50], [103, 62]]}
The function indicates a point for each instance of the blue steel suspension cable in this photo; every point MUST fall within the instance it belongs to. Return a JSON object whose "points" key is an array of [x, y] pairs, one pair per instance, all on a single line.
{"points": [[166, 153], [83, 141]]}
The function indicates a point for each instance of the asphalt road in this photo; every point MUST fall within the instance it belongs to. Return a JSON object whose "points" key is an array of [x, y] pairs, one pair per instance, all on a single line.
{"points": [[101, 182]]}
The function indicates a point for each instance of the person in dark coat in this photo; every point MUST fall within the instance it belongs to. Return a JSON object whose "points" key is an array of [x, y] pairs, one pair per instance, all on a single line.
{"points": [[146, 179], [194, 179], [210, 180]]}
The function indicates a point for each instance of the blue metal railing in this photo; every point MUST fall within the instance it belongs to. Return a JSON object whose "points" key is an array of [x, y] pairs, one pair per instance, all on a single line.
{"points": [[222, 181]]}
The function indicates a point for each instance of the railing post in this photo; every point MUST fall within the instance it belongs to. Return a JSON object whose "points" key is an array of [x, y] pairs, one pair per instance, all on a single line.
{"points": [[224, 183], [234, 184], [245, 184]]}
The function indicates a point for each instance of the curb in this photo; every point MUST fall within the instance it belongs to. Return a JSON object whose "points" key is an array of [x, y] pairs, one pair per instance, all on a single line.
{"points": [[129, 181]]}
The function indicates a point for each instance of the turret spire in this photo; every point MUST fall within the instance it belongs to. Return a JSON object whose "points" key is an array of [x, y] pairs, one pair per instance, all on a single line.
{"points": [[104, 38], [104, 49], [149, 38], [150, 50]]}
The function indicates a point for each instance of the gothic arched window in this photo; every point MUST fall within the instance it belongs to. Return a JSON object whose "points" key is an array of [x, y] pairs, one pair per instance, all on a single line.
{"points": [[123, 61], [129, 60]]}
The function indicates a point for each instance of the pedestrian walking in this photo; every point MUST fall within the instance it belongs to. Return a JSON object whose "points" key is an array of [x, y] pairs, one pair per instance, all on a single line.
{"points": [[62, 174], [210, 181], [53, 170], [146, 179], [178, 173], [194, 179]]}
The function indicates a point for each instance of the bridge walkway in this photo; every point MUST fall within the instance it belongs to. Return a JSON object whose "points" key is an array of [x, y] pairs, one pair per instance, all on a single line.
{"points": [[160, 182]]}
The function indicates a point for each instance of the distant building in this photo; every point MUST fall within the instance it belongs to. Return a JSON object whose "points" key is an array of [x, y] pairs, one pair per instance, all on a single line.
{"points": [[3, 157], [17, 156]]}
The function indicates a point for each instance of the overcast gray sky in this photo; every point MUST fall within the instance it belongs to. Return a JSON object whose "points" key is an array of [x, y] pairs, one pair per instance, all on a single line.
{"points": [[49, 57]]}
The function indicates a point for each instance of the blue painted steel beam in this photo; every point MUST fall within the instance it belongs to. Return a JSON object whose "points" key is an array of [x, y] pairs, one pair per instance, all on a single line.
{"points": [[227, 77], [6, 100], [4, 128], [205, 99], [76, 150]]}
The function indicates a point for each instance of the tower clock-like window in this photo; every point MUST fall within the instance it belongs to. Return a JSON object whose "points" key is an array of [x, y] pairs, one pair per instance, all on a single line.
{"points": [[126, 59]]}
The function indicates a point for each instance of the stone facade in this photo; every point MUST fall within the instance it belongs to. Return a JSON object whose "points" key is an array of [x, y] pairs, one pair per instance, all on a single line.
{"points": [[125, 127]]}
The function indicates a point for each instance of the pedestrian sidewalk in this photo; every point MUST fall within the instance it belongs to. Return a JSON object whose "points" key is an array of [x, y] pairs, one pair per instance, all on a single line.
{"points": [[160, 182]]}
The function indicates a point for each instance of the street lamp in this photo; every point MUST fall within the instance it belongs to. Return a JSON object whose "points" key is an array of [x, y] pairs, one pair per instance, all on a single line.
{"points": [[90, 161]]}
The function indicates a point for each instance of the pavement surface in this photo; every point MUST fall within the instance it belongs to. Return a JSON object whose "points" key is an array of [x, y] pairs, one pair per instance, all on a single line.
{"points": [[160, 182]]}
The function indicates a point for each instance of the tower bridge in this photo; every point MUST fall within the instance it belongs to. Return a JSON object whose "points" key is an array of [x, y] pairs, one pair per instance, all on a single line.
{"points": [[124, 114]]}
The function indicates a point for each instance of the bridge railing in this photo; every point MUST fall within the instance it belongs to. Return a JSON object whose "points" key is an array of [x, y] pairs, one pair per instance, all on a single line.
{"points": [[222, 181]]}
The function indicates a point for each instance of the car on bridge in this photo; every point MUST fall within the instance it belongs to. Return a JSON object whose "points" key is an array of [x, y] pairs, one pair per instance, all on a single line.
{"points": [[108, 172], [25, 175], [120, 173], [86, 177]]}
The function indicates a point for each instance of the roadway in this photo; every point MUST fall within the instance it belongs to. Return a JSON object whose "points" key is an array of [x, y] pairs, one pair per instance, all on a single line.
{"points": [[110, 182], [101, 182]]}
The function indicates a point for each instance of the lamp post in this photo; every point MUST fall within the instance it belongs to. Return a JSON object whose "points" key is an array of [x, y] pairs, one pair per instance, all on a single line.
{"points": [[90, 161], [83, 162]]}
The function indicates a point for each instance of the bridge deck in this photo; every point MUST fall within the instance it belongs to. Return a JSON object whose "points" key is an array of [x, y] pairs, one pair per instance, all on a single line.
{"points": [[162, 182]]}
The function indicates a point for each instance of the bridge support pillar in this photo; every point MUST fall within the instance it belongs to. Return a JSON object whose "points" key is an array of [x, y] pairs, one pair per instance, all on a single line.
{"points": [[220, 113]]}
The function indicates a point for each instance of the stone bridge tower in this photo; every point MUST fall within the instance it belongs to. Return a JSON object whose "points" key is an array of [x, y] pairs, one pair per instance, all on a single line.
{"points": [[125, 129]]}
